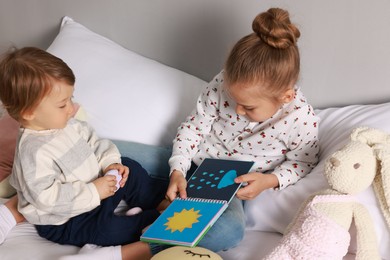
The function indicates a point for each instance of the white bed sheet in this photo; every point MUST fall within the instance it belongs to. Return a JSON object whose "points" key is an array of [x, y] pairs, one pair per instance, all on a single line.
{"points": [[24, 243]]}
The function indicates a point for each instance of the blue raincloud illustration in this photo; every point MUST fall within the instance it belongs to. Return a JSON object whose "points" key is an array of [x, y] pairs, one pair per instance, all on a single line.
{"points": [[228, 179]]}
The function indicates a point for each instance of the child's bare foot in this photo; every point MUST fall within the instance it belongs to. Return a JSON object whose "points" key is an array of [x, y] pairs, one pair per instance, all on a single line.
{"points": [[137, 250]]}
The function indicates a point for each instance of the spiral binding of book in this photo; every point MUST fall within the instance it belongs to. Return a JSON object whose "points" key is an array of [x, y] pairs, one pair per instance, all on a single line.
{"points": [[204, 200]]}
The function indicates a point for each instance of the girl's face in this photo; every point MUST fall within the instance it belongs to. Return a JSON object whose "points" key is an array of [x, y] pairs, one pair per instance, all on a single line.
{"points": [[55, 109], [253, 105]]}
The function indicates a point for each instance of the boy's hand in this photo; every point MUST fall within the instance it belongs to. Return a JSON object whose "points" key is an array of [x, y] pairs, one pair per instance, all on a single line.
{"points": [[123, 171], [257, 183], [177, 185], [106, 186]]}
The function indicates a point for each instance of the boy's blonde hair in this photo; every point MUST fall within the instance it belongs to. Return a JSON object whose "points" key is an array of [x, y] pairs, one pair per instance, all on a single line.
{"points": [[27, 76], [268, 56]]}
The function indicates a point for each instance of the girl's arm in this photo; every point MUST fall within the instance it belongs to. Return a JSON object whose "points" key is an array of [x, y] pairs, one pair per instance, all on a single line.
{"points": [[302, 147], [196, 125], [256, 183]]}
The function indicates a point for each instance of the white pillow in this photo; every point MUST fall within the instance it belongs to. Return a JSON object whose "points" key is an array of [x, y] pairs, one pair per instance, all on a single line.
{"points": [[274, 210], [126, 96]]}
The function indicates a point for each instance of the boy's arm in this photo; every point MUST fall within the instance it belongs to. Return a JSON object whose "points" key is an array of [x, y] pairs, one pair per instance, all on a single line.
{"points": [[42, 186], [105, 151]]}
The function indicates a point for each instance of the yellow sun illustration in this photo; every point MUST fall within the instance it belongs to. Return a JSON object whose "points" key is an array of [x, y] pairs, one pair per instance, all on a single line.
{"points": [[182, 220]]}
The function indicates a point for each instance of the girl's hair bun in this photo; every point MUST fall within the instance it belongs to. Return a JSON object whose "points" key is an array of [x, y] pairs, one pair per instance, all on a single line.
{"points": [[275, 28]]}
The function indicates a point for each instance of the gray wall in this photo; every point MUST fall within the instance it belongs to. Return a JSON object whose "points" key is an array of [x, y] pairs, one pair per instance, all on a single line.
{"points": [[345, 44]]}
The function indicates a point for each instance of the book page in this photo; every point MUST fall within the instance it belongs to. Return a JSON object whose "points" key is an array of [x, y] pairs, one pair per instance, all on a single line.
{"points": [[184, 222], [214, 179]]}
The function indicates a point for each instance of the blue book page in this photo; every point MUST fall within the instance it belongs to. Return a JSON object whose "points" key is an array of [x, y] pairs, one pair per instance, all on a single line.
{"points": [[184, 222], [214, 179]]}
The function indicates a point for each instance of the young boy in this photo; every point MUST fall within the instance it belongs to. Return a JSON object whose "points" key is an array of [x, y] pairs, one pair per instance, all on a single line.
{"points": [[60, 163]]}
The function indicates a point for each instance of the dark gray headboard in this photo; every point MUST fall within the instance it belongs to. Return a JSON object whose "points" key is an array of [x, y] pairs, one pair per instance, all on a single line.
{"points": [[345, 45]]}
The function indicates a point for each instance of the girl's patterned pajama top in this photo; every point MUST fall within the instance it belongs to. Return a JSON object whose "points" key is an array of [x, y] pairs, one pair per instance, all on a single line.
{"points": [[285, 144]]}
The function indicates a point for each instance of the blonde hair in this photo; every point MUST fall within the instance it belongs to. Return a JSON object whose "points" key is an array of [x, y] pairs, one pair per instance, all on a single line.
{"points": [[27, 76], [268, 56]]}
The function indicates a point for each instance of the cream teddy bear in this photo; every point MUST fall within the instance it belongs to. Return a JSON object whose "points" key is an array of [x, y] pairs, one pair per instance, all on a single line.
{"points": [[320, 228]]}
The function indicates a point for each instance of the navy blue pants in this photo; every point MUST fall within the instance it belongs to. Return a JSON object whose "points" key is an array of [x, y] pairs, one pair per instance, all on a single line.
{"points": [[101, 226]]}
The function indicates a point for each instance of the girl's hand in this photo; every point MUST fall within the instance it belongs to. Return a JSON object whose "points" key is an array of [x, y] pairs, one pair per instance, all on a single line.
{"points": [[257, 183], [122, 169], [177, 185]]}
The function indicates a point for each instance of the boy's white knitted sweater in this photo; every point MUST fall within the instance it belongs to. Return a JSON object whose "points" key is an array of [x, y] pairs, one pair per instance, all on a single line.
{"points": [[54, 169]]}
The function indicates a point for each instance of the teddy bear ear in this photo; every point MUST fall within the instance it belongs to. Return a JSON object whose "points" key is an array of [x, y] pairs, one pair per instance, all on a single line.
{"points": [[355, 134], [381, 182], [370, 136]]}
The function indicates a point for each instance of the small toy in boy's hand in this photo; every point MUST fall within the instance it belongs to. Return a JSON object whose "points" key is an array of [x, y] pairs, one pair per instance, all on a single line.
{"points": [[115, 173]]}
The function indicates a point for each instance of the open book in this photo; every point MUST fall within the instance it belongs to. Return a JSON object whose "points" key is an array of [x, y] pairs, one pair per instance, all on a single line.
{"points": [[209, 192]]}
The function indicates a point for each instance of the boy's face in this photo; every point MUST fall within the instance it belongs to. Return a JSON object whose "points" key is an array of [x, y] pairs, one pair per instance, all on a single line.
{"points": [[55, 109]]}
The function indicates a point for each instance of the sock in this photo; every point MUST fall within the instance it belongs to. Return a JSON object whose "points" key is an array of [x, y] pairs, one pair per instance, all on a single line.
{"points": [[7, 222], [93, 252], [133, 211]]}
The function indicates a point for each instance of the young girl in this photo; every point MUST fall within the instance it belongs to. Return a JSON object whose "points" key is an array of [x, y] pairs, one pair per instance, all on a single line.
{"points": [[60, 164], [251, 111]]}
